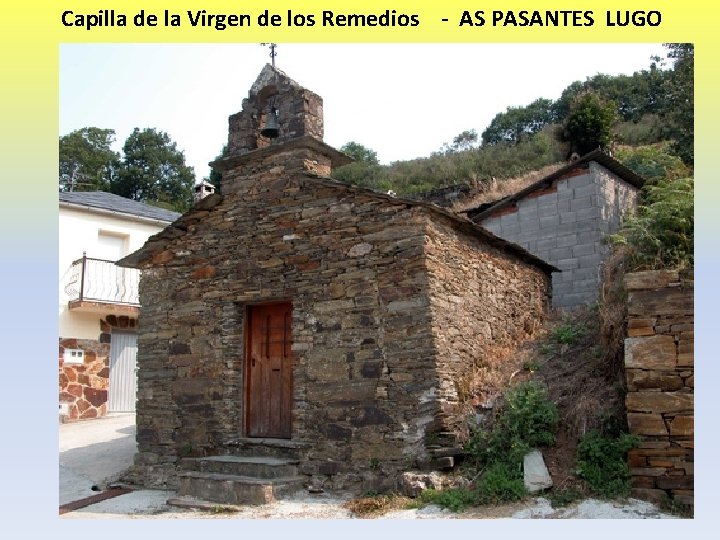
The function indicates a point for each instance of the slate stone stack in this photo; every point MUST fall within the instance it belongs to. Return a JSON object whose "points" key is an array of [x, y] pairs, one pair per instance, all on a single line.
{"points": [[659, 366]]}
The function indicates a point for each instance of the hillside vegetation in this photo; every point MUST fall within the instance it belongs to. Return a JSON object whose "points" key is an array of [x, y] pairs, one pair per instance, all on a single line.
{"points": [[652, 108]]}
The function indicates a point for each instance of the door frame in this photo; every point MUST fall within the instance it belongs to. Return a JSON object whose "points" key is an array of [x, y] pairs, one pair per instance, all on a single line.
{"points": [[245, 421]]}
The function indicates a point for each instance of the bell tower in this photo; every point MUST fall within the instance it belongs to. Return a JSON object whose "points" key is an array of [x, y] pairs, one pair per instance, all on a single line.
{"points": [[277, 132], [297, 112]]}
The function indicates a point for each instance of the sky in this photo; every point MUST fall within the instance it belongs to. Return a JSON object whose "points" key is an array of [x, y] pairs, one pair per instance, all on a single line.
{"points": [[401, 100]]}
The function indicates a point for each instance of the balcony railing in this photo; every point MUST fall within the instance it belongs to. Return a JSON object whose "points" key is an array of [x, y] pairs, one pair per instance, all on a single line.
{"points": [[97, 280]]}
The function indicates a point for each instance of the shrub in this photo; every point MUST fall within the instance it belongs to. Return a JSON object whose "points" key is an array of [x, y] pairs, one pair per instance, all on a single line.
{"points": [[501, 482], [567, 334], [602, 463], [653, 162], [662, 233], [527, 419]]}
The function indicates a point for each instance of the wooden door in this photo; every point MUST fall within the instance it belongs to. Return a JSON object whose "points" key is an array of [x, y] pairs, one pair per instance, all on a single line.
{"points": [[269, 371]]}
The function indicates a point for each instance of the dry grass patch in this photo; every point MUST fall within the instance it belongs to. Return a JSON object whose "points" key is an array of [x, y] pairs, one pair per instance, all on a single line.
{"points": [[493, 190], [376, 505]]}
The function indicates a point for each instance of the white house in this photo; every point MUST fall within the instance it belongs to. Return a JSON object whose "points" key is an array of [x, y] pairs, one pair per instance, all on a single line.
{"points": [[98, 301]]}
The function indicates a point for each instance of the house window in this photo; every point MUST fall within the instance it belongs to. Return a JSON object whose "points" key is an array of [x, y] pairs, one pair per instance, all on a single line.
{"points": [[74, 356], [111, 247]]}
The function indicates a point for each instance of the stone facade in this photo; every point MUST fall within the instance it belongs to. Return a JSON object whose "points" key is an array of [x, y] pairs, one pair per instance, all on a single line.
{"points": [[483, 304], [563, 219], [378, 338], [84, 386], [659, 366]]}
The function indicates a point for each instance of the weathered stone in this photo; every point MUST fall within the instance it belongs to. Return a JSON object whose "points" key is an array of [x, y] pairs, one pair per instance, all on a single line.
{"points": [[675, 482], [659, 402], [686, 359], [643, 482], [641, 327], [657, 496], [647, 471], [684, 496], [664, 302], [650, 279], [653, 352], [412, 484], [682, 426], [179, 348], [646, 424], [74, 389], [360, 250], [645, 380], [368, 416], [95, 396], [203, 273], [535, 473]]}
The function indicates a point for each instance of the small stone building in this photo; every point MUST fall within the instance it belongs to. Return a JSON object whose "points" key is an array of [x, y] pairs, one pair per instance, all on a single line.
{"points": [[563, 219], [298, 317]]}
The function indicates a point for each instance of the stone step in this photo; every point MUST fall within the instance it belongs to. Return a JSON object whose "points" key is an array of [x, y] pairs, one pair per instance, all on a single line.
{"points": [[278, 448], [256, 467], [236, 489]]}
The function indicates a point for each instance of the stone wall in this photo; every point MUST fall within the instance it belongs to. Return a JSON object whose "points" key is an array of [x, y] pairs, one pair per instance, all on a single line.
{"points": [[83, 387], [366, 380], [352, 267], [659, 367], [564, 224], [484, 303]]}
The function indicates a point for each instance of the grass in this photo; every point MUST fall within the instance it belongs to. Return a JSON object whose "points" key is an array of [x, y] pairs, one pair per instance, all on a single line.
{"points": [[563, 497], [373, 505], [567, 333]]}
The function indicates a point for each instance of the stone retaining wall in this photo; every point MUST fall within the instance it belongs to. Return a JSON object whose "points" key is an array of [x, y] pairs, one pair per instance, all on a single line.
{"points": [[659, 367]]}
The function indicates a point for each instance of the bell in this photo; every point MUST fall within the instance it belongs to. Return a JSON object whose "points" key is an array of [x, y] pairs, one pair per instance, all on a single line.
{"points": [[271, 129]]}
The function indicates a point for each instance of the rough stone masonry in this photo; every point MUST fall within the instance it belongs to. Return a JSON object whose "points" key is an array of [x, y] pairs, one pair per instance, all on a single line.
{"points": [[659, 366], [393, 304]]}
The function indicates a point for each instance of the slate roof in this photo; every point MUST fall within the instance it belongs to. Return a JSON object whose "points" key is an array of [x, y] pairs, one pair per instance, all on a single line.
{"points": [[159, 241], [115, 203], [598, 156]]}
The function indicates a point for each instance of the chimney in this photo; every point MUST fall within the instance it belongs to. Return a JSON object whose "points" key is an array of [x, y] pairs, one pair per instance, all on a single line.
{"points": [[202, 190]]}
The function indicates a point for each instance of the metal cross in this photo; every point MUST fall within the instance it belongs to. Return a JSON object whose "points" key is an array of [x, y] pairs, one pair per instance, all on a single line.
{"points": [[273, 53]]}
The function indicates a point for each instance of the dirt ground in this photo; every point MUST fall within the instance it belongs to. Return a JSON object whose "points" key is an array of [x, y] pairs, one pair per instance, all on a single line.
{"points": [[148, 504]]}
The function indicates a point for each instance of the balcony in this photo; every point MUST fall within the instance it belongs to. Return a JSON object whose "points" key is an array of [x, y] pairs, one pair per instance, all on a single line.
{"points": [[100, 286]]}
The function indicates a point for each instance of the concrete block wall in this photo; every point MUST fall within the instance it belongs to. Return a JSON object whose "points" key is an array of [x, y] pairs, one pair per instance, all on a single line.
{"points": [[565, 224]]}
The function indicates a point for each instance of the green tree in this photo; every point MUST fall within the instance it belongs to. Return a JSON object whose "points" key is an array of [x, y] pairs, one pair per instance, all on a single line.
{"points": [[589, 123], [360, 153], [153, 171], [86, 161], [466, 140], [216, 176], [653, 162], [680, 101], [517, 123], [635, 95]]}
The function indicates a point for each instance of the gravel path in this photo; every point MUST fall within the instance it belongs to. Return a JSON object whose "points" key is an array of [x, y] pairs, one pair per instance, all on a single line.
{"points": [[144, 504]]}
